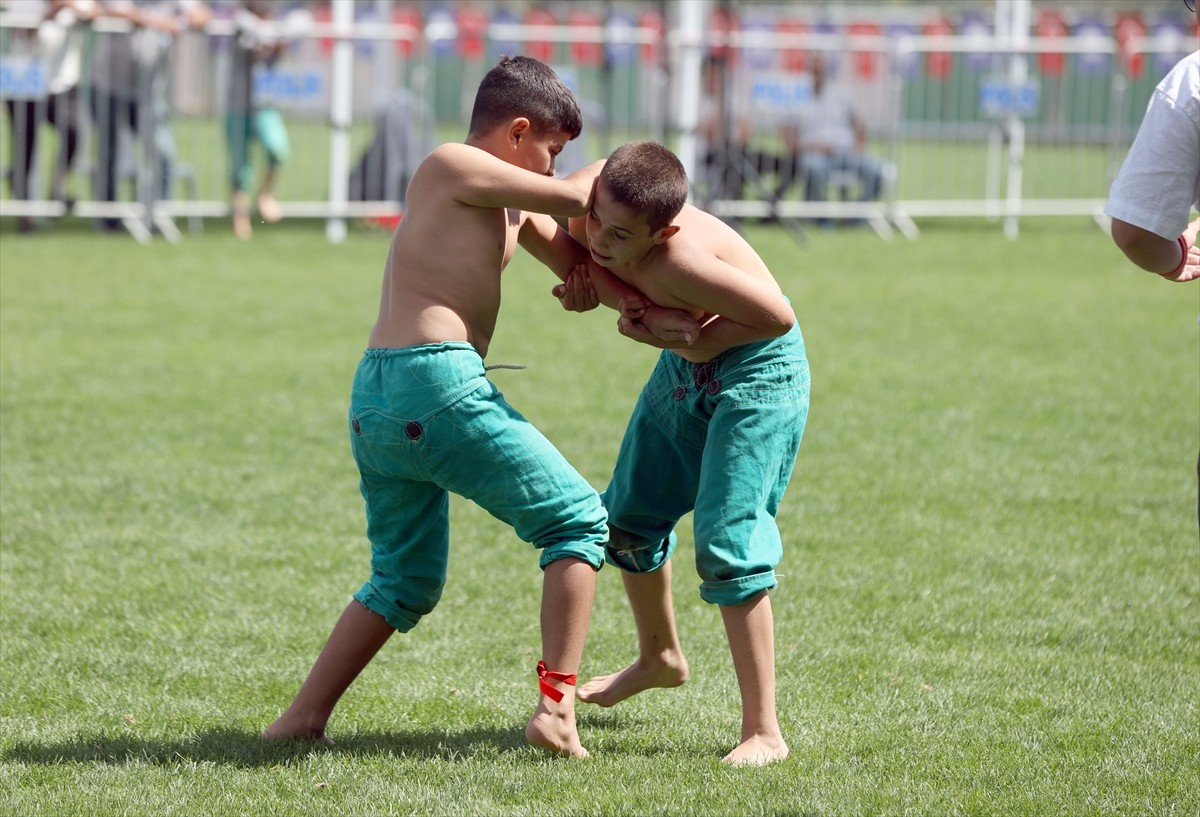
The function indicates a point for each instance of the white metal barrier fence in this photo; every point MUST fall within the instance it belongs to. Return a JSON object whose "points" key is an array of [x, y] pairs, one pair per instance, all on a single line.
{"points": [[999, 130]]}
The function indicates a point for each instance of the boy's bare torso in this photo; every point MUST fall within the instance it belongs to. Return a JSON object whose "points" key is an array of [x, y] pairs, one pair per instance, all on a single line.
{"points": [[442, 278], [663, 276]]}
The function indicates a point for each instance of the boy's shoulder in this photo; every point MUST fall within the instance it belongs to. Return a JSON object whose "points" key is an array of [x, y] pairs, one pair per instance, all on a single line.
{"points": [[451, 154], [700, 234], [461, 156], [450, 166], [701, 240]]}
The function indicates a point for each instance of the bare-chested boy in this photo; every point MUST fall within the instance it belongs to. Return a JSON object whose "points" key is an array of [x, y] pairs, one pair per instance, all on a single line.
{"points": [[716, 429], [425, 420]]}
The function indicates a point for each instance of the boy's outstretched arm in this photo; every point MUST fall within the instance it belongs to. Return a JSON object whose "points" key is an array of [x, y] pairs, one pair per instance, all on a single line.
{"points": [[477, 178]]}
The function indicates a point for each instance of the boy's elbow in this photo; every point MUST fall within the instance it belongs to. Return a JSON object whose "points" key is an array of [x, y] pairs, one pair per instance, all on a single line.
{"points": [[783, 324], [1124, 235]]}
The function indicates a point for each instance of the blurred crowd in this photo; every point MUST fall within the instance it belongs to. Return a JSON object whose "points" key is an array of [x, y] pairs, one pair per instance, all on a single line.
{"points": [[127, 88]]}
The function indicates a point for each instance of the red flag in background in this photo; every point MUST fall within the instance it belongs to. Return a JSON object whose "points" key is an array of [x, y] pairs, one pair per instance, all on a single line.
{"points": [[653, 21], [1129, 27], [938, 63], [720, 24], [1050, 24], [540, 49], [586, 53], [795, 60], [864, 59], [406, 16], [472, 27]]}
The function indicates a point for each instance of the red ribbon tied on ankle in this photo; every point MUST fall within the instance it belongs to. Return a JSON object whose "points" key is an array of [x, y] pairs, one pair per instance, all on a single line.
{"points": [[548, 690]]}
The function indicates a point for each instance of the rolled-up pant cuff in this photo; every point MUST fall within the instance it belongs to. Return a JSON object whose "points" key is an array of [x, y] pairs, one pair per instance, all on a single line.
{"points": [[732, 592], [397, 617]]}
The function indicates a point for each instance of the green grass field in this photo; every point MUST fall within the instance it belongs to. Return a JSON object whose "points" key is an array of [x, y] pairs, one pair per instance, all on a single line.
{"points": [[989, 601]]}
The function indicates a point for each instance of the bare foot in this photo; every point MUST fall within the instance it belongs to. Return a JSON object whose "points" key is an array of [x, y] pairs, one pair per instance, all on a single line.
{"points": [[268, 208], [287, 728], [757, 750], [661, 672], [555, 731]]}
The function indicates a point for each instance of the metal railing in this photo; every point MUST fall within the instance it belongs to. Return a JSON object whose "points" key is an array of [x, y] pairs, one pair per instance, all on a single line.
{"points": [[993, 135]]}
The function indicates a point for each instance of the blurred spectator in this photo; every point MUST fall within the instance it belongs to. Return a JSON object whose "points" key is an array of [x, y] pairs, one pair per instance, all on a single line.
{"points": [[248, 120], [58, 50], [130, 87], [827, 136], [724, 138], [404, 135]]}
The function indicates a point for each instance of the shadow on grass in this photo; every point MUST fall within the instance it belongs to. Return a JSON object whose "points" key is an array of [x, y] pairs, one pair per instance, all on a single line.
{"points": [[236, 747], [243, 748]]}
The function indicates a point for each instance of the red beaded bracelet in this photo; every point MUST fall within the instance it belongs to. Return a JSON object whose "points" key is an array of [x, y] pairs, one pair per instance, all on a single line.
{"points": [[1173, 274]]}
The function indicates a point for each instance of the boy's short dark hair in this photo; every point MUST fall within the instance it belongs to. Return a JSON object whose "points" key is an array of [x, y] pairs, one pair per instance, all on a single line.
{"points": [[648, 178], [522, 86]]}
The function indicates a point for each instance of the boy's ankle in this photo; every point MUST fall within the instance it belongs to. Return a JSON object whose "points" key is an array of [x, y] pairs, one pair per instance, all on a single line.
{"points": [[670, 657]]}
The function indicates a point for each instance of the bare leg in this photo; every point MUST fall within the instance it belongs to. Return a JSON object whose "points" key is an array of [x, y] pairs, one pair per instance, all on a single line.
{"points": [[268, 208], [355, 639], [660, 661], [241, 216], [750, 628], [568, 590]]}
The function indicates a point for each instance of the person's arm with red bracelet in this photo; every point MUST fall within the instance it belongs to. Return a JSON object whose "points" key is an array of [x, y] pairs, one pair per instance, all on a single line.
{"points": [[1176, 259]]}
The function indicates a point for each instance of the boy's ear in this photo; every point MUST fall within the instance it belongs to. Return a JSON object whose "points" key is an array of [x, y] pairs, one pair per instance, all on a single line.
{"points": [[518, 128], [665, 233]]}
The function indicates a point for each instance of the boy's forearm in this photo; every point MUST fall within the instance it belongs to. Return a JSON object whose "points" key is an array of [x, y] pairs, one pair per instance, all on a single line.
{"points": [[554, 247], [478, 179], [546, 241], [609, 288], [720, 333]]}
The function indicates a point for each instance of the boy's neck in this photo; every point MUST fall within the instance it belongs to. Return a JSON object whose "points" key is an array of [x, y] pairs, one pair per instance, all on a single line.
{"points": [[486, 143]]}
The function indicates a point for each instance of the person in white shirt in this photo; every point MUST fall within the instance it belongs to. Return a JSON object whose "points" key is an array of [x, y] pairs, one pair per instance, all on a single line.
{"points": [[1158, 185], [1159, 182]]}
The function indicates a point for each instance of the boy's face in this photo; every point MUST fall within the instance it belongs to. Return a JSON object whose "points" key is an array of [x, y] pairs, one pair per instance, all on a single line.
{"points": [[618, 234], [537, 152]]}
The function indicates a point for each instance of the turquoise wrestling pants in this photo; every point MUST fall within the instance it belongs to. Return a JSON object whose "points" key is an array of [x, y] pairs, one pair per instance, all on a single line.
{"points": [[720, 439], [426, 422]]}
